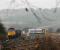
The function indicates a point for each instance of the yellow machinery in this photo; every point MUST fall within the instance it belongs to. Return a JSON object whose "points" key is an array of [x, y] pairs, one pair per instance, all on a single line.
{"points": [[11, 32]]}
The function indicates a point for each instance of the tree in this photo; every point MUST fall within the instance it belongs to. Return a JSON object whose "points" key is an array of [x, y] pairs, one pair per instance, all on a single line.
{"points": [[2, 32], [2, 29]]}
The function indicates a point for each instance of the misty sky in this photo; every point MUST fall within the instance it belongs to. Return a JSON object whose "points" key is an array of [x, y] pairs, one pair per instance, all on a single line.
{"points": [[4, 4], [34, 3]]}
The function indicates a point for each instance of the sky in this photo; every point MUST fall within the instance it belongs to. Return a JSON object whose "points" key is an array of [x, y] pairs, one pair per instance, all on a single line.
{"points": [[4, 4], [33, 3]]}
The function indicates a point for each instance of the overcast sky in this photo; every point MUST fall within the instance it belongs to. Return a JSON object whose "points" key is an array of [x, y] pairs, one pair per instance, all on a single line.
{"points": [[35, 3]]}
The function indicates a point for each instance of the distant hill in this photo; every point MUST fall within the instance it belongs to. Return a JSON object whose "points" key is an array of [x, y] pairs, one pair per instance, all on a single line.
{"points": [[19, 18]]}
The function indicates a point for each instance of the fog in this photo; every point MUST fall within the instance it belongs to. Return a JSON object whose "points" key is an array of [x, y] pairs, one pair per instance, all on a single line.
{"points": [[20, 18]]}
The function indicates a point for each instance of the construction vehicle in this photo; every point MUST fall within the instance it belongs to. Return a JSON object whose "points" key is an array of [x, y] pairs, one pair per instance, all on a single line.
{"points": [[32, 33], [11, 33]]}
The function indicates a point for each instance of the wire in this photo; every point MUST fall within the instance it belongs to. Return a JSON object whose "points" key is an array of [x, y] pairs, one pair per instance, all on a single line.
{"points": [[46, 14], [57, 3], [36, 16], [41, 14], [56, 7], [26, 9], [9, 7]]}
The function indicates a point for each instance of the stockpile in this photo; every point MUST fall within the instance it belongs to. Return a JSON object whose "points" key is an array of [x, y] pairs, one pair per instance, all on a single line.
{"points": [[53, 41]]}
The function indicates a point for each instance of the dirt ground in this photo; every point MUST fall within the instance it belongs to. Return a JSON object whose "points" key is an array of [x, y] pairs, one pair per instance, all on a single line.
{"points": [[52, 41]]}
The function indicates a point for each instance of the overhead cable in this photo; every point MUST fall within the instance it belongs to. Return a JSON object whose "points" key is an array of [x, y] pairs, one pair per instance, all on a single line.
{"points": [[57, 4], [36, 16], [40, 12], [45, 15]]}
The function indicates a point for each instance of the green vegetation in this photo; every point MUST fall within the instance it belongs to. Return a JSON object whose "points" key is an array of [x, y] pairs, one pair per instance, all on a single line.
{"points": [[2, 29]]}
